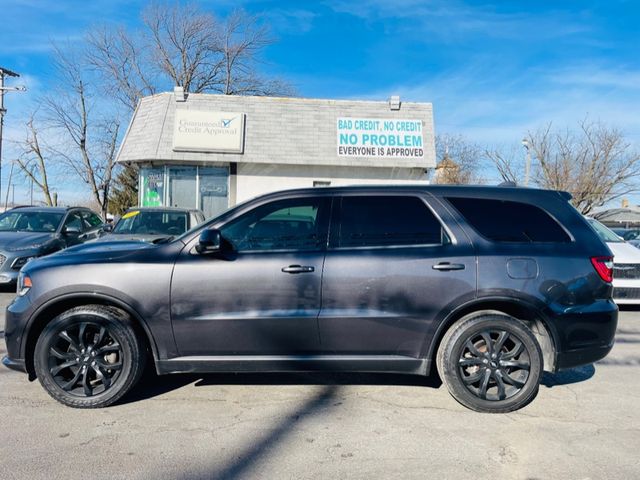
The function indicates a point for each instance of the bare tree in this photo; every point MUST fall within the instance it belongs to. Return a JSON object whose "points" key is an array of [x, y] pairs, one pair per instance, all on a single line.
{"points": [[33, 162], [460, 160], [91, 134], [594, 163], [180, 45]]}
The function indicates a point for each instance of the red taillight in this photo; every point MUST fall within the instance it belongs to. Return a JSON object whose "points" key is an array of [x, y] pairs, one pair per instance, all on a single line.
{"points": [[604, 267]]}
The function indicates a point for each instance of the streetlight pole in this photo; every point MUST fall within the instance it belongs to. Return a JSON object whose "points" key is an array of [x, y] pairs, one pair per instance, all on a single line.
{"points": [[527, 165], [8, 73]]}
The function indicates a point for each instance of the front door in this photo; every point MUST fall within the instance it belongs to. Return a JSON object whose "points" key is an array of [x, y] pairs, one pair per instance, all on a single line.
{"points": [[391, 268], [261, 295]]}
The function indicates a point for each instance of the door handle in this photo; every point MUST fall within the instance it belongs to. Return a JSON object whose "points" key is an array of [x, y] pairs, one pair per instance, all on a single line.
{"points": [[446, 266], [298, 269]]}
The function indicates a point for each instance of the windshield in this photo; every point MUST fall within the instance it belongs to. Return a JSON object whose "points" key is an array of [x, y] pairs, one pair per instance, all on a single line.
{"points": [[30, 221], [603, 232], [140, 222]]}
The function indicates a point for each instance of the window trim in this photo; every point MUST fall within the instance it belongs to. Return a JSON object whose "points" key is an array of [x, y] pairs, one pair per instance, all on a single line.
{"points": [[336, 225]]}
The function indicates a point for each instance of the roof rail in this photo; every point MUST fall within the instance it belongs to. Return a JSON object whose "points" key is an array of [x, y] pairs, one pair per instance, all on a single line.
{"points": [[508, 184]]}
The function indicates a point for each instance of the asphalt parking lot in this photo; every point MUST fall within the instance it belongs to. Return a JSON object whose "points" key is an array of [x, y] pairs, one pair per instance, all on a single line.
{"points": [[585, 424]]}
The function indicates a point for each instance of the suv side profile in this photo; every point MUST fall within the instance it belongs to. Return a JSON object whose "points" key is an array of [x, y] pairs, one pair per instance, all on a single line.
{"points": [[490, 285]]}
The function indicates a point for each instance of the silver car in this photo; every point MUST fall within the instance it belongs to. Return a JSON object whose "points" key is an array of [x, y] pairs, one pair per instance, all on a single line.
{"points": [[30, 232]]}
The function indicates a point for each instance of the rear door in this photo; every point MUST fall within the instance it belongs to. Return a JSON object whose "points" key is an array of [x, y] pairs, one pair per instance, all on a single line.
{"points": [[395, 264]]}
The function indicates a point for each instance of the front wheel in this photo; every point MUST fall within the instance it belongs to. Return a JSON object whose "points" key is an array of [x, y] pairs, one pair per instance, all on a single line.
{"points": [[491, 363], [88, 357]]}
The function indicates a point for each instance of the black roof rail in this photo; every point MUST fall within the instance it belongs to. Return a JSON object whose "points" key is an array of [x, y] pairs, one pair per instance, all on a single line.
{"points": [[508, 184]]}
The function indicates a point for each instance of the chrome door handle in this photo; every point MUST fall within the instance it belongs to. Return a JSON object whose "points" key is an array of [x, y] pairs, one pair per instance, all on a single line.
{"points": [[446, 266], [298, 269]]}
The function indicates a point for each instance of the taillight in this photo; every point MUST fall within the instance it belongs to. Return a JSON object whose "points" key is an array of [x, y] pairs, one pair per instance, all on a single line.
{"points": [[604, 267]]}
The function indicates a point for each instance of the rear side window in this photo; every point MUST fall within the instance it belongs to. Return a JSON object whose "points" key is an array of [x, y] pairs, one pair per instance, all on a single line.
{"points": [[387, 220], [506, 221]]}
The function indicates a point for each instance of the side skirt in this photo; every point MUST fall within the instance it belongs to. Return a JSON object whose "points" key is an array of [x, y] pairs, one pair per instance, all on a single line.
{"points": [[295, 363]]}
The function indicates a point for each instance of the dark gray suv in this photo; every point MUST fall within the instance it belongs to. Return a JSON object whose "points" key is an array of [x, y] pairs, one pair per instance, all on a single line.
{"points": [[489, 285]]}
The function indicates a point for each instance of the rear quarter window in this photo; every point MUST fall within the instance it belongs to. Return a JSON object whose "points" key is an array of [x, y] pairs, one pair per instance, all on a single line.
{"points": [[509, 221]]}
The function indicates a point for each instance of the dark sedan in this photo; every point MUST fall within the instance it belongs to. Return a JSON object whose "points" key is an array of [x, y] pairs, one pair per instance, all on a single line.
{"points": [[30, 232]]}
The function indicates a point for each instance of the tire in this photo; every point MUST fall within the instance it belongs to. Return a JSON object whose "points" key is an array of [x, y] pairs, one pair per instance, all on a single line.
{"points": [[89, 357], [481, 381]]}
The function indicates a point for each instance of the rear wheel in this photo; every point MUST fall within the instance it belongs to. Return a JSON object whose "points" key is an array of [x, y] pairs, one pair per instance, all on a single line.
{"points": [[491, 363], [88, 357]]}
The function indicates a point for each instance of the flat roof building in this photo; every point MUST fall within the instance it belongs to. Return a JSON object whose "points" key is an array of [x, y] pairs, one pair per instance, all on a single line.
{"points": [[212, 151]]}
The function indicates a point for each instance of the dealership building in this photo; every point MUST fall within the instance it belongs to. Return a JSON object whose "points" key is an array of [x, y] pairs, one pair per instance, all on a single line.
{"points": [[212, 151]]}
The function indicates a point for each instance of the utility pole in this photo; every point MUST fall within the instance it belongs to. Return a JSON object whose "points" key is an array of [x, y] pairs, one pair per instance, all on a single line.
{"points": [[527, 164], [8, 73]]}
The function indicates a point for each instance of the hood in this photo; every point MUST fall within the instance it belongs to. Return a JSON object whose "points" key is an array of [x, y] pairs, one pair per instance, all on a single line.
{"points": [[24, 240], [91, 253], [624, 252], [121, 237]]}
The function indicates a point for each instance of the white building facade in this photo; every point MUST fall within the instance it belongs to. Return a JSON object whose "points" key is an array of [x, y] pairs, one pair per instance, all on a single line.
{"points": [[212, 151]]}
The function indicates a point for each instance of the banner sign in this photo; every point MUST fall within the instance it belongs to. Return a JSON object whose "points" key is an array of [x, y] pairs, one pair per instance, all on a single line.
{"points": [[380, 137], [201, 131]]}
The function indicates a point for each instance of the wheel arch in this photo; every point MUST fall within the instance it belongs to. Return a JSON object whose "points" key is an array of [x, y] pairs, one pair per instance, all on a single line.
{"points": [[48, 311], [524, 311]]}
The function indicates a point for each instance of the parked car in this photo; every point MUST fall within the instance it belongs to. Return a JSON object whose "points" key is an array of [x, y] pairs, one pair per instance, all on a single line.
{"points": [[152, 224], [626, 265], [490, 285], [31, 232]]}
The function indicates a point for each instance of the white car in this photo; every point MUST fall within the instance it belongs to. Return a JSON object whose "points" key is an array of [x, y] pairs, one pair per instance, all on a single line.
{"points": [[626, 265]]}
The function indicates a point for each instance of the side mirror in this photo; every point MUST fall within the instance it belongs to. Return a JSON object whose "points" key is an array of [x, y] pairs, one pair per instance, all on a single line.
{"points": [[107, 227], [209, 241], [69, 230]]}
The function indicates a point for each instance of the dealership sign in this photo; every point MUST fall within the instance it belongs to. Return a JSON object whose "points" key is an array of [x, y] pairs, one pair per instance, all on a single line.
{"points": [[380, 137], [201, 131]]}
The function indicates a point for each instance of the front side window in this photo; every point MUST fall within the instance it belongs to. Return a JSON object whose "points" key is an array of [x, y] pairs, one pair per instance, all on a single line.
{"points": [[74, 220], [292, 224], [378, 221]]}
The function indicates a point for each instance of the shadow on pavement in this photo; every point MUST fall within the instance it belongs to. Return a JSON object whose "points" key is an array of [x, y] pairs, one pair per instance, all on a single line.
{"points": [[152, 385], [567, 377], [242, 462]]}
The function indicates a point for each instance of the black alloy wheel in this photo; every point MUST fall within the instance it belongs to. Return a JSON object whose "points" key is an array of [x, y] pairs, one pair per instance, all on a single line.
{"points": [[89, 357], [85, 359], [494, 365], [491, 363]]}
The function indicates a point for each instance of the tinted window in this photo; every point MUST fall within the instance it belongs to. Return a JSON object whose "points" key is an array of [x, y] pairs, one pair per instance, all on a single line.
{"points": [[387, 220], [506, 221], [74, 221], [91, 219], [297, 224]]}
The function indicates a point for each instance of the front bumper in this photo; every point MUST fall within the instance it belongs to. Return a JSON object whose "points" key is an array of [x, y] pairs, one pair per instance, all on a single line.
{"points": [[17, 365]]}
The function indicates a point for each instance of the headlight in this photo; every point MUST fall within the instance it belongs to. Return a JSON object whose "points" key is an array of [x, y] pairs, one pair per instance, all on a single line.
{"points": [[20, 262], [24, 284]]}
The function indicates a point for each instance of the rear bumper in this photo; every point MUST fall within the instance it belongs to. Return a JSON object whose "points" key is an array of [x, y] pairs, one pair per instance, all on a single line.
{"points": [[583, 356], [585, 335]]}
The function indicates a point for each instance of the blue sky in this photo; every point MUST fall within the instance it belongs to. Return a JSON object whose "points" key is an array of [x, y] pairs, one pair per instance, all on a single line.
{"points": [[493, 70]]}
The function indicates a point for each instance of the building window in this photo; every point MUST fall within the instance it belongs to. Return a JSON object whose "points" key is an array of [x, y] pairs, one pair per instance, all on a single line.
{"points": [[152, 180]]}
